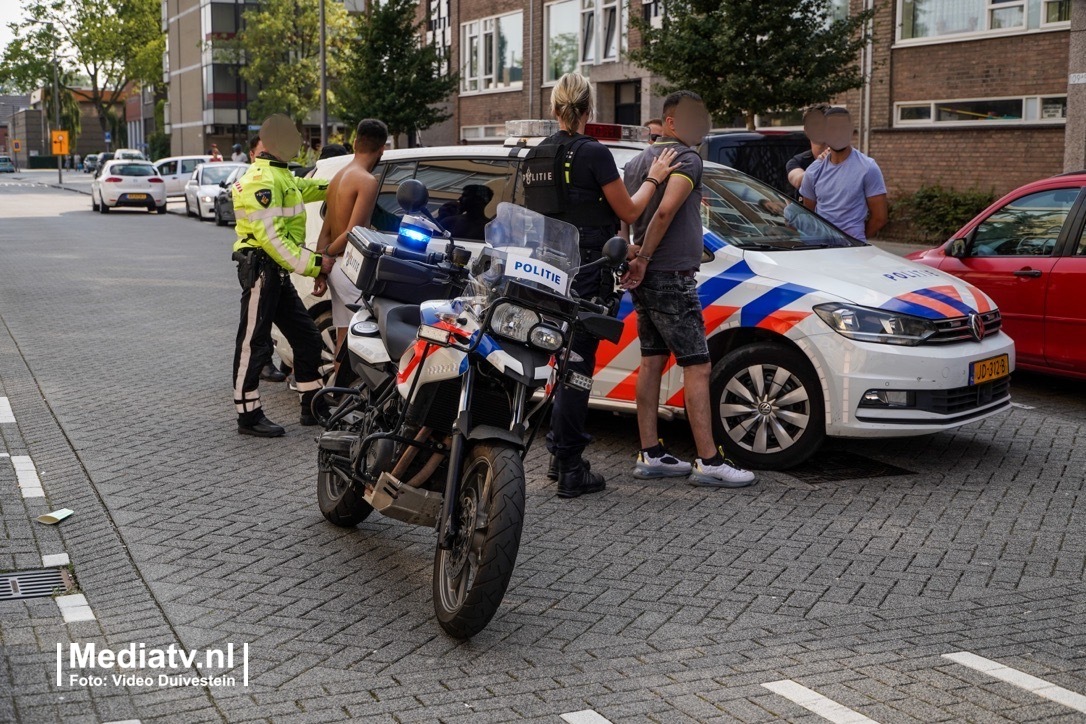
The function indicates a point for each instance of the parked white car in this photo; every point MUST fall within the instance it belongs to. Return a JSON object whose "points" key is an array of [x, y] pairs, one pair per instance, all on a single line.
{"points": [[177, 170], [133, 184], [812, 333], [204, 185]]}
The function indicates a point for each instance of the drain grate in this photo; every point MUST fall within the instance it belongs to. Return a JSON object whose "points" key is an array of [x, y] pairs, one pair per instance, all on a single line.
{"points": [[33, 584], [835, 466]]}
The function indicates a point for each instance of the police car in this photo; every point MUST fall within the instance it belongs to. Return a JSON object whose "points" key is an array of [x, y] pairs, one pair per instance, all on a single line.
{"points": [[812, 333]]}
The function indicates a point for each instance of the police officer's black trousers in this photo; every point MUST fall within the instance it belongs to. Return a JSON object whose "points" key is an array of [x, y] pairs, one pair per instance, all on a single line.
{"points": [[273, 300], [567, 438]]}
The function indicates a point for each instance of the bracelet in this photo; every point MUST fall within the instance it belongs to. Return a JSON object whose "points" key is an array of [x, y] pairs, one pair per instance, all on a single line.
{"points": [[639, 255], [652, 181]]}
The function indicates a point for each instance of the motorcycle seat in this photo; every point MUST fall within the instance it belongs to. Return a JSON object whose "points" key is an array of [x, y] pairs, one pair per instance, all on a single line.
{"points": [[398, 324]]}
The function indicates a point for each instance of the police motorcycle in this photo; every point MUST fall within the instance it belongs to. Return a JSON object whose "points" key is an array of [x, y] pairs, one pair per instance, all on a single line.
{"points": [[457, 361]]}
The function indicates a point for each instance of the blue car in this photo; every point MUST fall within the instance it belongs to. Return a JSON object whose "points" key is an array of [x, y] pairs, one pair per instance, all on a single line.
{"points": [[6, 165]]}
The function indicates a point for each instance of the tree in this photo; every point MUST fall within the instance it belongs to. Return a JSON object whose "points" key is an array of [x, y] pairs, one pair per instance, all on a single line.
{"points": [[279, 46], [70, 113], [107, 43], [393, 76], [746, 57]]}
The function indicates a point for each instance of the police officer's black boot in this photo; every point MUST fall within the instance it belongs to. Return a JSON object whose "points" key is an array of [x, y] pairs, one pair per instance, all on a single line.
{"points": [[552, 469], [257, 424], [308, 416], [575, 478]]}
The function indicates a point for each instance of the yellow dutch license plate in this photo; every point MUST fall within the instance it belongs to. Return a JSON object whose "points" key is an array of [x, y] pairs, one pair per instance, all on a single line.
{"points": [[986, 370], [137, 197]]}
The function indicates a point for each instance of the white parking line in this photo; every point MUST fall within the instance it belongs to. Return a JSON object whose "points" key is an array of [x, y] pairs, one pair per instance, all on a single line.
{"points": [[588, 716], [815, 703], [74, 608], [27, 476], [1022, 680], [6, 415]]}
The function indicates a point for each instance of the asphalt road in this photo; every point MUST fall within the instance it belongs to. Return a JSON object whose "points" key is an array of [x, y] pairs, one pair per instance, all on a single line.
{"points": [[918, 580]]}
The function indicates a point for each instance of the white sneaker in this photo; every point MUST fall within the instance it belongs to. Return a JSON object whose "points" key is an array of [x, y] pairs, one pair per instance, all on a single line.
{"points": [[665, 466], [724, 475]]}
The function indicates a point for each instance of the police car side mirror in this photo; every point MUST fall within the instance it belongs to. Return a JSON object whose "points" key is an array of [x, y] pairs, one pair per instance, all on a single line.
{"points": [[615, 251], [412, 196]]}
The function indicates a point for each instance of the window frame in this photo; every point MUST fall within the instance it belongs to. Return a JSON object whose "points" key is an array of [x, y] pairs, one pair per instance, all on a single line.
{"points": [[485, 30], [1057, 248], [547, 38], [983, 33], [932, 121], [1058, 24]]}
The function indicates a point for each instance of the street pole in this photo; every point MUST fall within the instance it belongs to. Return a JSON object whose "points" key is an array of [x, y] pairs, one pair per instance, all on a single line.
{"points": [[56, 110], [1075, 131], [324, 80]]}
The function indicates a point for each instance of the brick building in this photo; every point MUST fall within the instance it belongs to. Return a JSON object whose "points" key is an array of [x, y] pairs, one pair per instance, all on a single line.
{"points": [[966, 93], [962, 92]]}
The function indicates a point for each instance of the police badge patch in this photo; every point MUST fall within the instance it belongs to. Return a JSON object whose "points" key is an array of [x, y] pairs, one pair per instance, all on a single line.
{"points": [[263, 197]]}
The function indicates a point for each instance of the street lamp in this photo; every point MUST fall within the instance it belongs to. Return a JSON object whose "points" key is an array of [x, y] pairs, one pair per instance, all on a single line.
{"points": [[56, 93]]}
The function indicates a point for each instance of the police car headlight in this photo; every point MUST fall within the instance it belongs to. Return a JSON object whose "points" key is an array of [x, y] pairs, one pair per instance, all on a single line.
{"points": [[513, 322], [546, 338], [206, 199], [865, 324]]}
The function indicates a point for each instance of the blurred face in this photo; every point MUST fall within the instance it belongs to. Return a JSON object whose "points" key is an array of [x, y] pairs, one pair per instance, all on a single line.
{"points": [[817, 149], [814, 125], [688, 122], [839, 131]]}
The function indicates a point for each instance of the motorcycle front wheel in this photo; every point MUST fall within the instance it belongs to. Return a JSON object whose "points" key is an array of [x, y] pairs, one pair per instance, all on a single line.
{"points": [[470, 580]]}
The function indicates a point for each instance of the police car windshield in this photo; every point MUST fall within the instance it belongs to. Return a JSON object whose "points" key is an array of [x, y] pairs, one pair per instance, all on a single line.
{"points": [[746, 213]]}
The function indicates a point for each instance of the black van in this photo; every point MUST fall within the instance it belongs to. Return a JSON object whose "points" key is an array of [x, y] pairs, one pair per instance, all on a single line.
{"points": [[761, 155]]}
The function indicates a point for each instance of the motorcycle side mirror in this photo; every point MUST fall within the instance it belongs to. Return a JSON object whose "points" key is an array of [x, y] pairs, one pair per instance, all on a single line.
{"points": [[412, 196], [615, 250]]}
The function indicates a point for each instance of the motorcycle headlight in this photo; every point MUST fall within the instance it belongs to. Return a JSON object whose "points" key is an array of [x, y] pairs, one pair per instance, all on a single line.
{"points": [[865, 324], [509, 320], [546, 338]]}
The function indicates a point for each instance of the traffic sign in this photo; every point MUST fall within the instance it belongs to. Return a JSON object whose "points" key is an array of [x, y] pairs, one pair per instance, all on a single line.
{"points": [[16, 146], [60, 143], [109, 137]]}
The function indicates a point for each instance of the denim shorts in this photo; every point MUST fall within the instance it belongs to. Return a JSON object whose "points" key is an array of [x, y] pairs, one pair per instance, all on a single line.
{"points": [[669, 318]]}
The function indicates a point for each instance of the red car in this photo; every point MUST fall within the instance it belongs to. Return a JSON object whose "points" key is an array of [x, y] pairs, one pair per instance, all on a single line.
{"points": [[1028, 252]]}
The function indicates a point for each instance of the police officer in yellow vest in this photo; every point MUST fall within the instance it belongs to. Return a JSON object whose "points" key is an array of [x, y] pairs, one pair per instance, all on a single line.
{"points": [[269, 204]]}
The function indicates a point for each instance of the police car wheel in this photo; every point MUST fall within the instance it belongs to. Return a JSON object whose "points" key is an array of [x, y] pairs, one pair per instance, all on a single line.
{"points": [[767, 406], [323, 320]]}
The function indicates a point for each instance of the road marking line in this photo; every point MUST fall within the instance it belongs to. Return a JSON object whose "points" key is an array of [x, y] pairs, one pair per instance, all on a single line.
{"points": [[588, 716], [74, 608], [27, 476], [1022, 680], [814, 702], [55, 559], [6, 415]]}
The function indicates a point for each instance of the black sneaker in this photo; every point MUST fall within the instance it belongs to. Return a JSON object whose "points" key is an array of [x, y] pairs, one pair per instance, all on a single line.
{"points": [[258, 425]]}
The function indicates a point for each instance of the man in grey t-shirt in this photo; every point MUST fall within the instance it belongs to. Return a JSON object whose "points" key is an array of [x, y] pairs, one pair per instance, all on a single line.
{"points": [[666, 257]]}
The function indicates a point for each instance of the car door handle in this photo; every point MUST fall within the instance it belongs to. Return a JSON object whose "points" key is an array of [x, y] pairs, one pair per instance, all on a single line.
{"points": [[1028, 273]]}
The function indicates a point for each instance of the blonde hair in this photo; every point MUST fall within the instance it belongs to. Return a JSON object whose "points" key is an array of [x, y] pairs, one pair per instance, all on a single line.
{"points": [[571, 100]]}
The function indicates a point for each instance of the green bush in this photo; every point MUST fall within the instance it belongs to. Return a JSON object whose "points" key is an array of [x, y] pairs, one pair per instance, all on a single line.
{"points": [[934, 213]]}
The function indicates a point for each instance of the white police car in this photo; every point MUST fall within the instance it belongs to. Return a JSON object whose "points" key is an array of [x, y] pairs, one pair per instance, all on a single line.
{"points": [[812, 333]]}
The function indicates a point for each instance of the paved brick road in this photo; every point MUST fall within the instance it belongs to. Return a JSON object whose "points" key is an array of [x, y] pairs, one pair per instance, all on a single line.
{"points": [[651, 602]]}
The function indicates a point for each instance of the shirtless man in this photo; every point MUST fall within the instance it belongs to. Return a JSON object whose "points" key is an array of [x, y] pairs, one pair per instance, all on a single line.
{"points": [[351, 197]]}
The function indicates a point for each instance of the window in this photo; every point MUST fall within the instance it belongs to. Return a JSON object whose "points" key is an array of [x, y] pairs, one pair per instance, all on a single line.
{"points": [[603, 31], [653, 12], [465, 192], [439, 31], [561, 45], [1029, 109], [483, 133], [167, 168], [188, 165], [1027, 226], [1056, 12], [927, 19], [493, 53]]}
